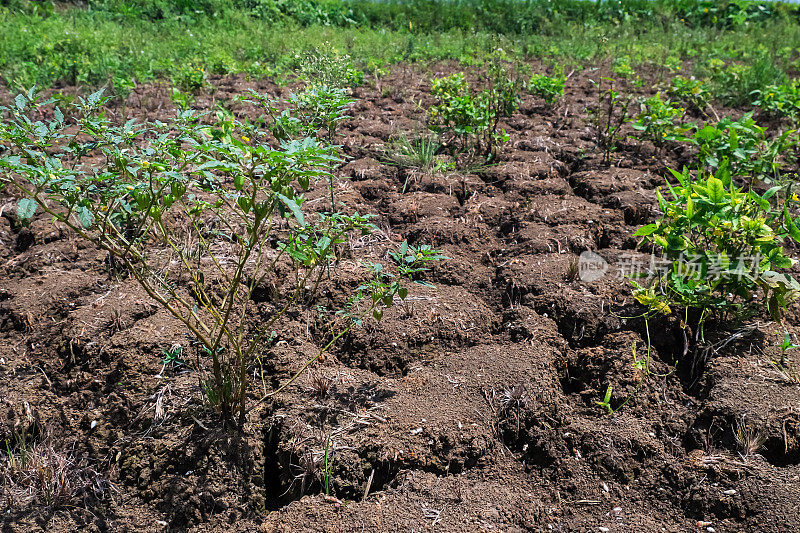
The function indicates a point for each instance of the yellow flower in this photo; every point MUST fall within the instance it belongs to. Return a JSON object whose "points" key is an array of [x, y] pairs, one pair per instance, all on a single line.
{"points": [[145, 164], [245, 138], [795, 197], [129, 187], [705, 10]]}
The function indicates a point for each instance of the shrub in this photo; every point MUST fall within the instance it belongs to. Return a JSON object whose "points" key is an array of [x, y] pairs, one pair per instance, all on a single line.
{"points": [[721, 245], [200, 216]]}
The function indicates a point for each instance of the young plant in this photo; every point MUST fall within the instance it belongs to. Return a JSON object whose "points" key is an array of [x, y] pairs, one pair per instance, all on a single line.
{"points": [[784, 368], [468, 121], [658, 121], [779, 101], [743, 148], [140, 192], [607, 117], [606, 401], [692, 93], [721, 247], [622, 67], [548, 88]]}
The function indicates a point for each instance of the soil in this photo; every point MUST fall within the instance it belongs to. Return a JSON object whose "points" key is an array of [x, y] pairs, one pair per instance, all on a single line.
{"points": [[471, 408]]}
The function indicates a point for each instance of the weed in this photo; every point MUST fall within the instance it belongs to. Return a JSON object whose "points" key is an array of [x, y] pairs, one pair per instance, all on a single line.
{"points": [[319, 384], [327, 466], [514, 397], [325, 66], [779, 100], [749, 439], [735, 83], [742, 148], [39, 470], [418, 152], [622, 67], [190, 79], [573, 270]]}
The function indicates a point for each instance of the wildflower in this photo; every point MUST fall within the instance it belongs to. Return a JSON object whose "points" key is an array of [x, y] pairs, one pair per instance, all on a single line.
{"points": [[795, 197], [705, 10], [145, 164], [245, 138]]}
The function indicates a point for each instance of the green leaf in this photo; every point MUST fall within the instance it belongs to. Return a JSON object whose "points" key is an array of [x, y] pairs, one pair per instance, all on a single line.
{"points": [[85, 217], [716, 190], [293, 207], [790, 225], [20, 101], [645, 230], [26, 208]]}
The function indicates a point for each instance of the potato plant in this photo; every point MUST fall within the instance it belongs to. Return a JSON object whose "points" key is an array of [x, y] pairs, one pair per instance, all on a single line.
{"points": [[200, 214], [721, 247]]}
